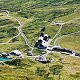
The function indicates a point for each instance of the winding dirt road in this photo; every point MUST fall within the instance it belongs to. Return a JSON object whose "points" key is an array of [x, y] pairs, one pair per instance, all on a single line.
{"points": [[25, 38], [19, 29], [61, 25]]}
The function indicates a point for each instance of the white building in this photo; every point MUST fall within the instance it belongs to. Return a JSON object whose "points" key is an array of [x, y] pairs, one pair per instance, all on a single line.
{"points": [[16, 53], [40, 38]]}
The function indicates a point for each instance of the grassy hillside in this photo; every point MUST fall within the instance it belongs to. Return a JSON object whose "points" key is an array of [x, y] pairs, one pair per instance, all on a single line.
{"points": [[40, 13], [27, 69], [71, 42], [33, 16]]}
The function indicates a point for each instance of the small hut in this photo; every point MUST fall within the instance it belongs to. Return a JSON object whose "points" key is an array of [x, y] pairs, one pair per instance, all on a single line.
{"points": [[29, 53], [41, 59], [4, 54], [16, 53]]}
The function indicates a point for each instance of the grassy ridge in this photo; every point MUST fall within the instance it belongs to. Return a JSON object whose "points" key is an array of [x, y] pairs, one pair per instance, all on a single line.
{"points": [[71, 42]]}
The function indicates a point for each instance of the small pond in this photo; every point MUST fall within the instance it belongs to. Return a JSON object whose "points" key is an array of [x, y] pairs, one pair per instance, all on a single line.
{"points": [[3, 59]]}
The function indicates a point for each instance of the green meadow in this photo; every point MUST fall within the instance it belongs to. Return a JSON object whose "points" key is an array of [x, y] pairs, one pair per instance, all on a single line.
{"points": [[33, 16]]}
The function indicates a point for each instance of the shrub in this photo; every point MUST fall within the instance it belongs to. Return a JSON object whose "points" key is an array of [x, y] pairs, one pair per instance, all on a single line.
{"points": [[55, 69], [40, 71], [15, 62]]}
